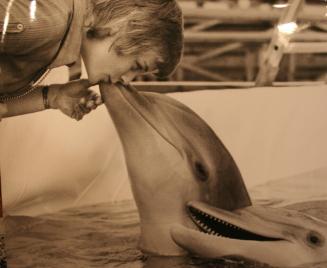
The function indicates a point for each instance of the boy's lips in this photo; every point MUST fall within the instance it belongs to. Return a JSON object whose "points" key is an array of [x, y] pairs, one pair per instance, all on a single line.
{"points": [[106, 79]]}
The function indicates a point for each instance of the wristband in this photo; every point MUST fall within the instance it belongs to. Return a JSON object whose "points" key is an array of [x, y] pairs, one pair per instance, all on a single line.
{"points": [[45, 91]]}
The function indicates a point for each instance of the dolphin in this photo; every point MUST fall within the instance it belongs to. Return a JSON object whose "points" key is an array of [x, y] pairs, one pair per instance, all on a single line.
{"points": [[276, 236], [172, 156]]}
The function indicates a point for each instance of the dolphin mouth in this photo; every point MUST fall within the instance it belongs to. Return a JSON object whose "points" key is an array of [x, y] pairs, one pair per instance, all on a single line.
{"points": [[213, 225]]}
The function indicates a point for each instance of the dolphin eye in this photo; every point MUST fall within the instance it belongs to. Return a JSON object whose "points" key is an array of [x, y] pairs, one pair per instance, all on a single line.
{"points": [[315, 239], [201, 171]]}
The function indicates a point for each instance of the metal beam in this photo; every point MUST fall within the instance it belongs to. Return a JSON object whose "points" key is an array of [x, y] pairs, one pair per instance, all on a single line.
{"points": [[185, 86], [248, 36], [202, 25], [205, 73], [310, 13], [306, 47], [216, 52], [279, 42]]}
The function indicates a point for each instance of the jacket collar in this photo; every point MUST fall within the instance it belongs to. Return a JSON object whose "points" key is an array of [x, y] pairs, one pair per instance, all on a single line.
{"points": [[71, 47]]}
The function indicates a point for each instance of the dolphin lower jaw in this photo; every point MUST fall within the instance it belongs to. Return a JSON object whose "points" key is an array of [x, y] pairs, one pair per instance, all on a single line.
{"points": [[253, 233], [276, 253], [216, 226], [155, 240]]}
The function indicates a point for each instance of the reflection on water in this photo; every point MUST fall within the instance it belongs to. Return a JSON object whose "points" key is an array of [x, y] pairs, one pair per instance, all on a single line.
{"points": [[93, 236], [106, 235], [3, 261]]}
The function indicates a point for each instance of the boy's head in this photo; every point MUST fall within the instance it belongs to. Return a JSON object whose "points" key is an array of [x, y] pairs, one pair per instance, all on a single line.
{"points": [[128, 37]]}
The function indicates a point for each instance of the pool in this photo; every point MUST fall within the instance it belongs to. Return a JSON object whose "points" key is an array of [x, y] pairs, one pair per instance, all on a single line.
{"points": [[106, 235]]}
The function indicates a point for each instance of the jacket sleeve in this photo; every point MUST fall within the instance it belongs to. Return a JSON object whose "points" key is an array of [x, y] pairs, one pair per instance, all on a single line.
{"points": [[30, 26], [30, 37]]}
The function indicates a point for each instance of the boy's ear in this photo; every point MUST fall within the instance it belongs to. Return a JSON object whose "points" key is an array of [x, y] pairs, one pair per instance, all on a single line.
{"points": [[103, 32], [99, 32]]}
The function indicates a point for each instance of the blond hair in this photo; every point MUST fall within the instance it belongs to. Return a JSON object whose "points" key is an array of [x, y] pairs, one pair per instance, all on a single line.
{"points": [[144, 25]]}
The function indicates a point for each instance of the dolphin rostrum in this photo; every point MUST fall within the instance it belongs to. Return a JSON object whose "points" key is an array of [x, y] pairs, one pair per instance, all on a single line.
{"points": [[172, 157], [276, 236]]}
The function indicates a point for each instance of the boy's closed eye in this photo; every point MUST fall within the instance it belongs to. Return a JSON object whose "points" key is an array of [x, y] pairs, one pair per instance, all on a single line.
{"points": [[137, 66]]}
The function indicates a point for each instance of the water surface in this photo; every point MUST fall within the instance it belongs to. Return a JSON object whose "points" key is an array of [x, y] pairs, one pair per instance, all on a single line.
{"points": [[106, 235]]}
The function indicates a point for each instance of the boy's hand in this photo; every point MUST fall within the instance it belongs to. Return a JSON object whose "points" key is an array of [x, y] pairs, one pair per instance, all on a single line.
{"points": [[74, 99], [3, 109]]}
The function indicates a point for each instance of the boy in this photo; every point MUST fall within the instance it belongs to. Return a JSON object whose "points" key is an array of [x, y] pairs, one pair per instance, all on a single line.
{"points": [[117, 40]]}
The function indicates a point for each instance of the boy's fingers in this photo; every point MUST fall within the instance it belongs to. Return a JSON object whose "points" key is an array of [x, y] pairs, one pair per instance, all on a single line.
{"points": [[84, 82], [90, 104], [77, 113], [84, 108], [82, 100], [95, 96], [98, 100], [79, 87]]}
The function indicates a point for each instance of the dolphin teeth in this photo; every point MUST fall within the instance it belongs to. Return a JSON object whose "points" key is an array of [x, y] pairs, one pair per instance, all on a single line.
{"points": [[211, 225]]}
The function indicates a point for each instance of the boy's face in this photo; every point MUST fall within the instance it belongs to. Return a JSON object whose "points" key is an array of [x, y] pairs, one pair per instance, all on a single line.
{"points": [[102, 63]]}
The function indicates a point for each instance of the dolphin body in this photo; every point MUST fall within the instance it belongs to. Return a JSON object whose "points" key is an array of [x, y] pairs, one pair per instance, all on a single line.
{"points": [[172, 156], [277, 236]]}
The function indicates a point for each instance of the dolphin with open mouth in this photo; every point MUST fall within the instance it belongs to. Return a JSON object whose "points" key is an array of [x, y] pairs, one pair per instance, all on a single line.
{"points": [[277, 236], [172, 156]]}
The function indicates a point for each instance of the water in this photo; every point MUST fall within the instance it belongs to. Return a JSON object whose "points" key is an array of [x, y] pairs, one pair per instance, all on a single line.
{"points": [[106, 235]]}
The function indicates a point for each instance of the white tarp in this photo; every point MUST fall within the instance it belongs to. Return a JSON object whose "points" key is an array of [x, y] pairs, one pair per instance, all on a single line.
{"points": [[49, 162]]}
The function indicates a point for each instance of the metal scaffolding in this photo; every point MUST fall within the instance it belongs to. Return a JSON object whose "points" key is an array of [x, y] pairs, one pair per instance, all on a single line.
{"points": [[233, 41]]}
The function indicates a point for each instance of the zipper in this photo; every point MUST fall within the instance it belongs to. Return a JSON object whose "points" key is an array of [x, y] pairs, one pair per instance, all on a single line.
{"points": [[32, 85]]}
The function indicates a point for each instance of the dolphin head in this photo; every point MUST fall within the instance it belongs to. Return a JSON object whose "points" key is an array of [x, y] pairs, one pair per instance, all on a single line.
{"points": [[276, 236], [172, 157]]}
